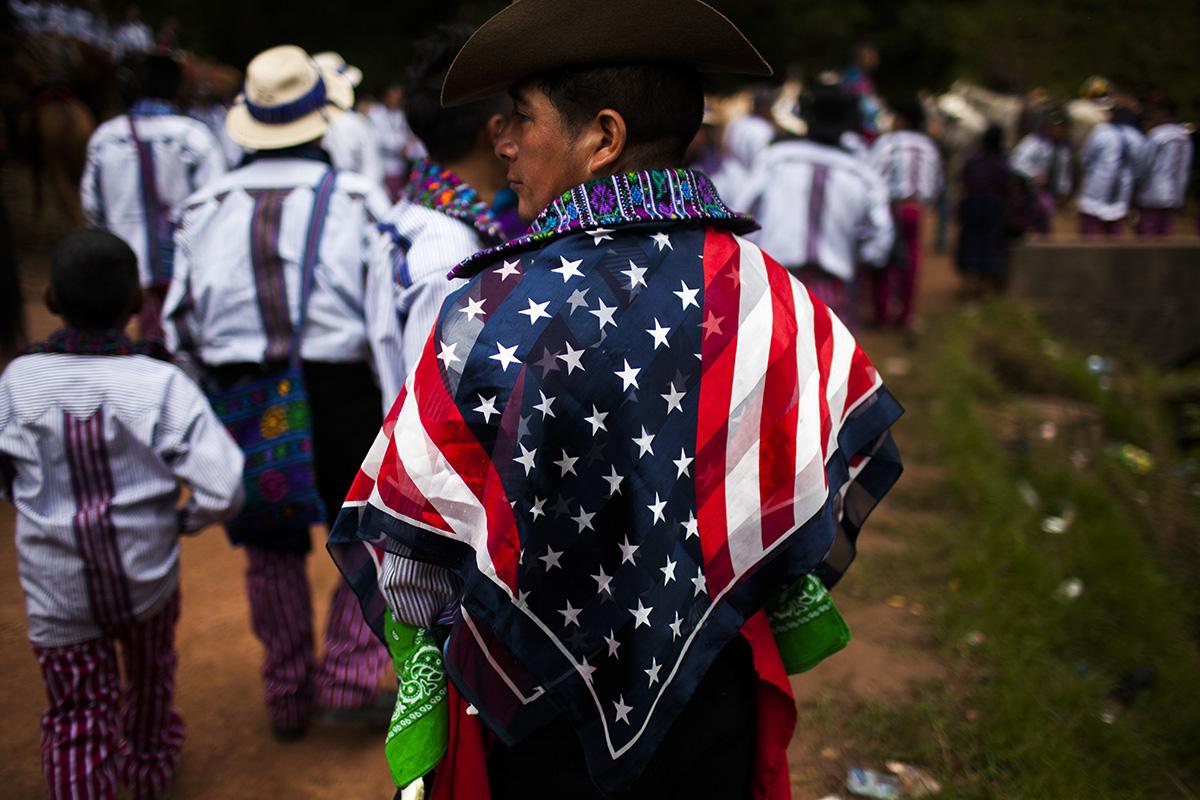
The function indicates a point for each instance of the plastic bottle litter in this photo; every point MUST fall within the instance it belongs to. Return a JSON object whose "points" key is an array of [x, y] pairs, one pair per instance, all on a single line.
{"points": [[872, 783], [1099, 365], [1069, 589], [914, 781], [1060, 523]]}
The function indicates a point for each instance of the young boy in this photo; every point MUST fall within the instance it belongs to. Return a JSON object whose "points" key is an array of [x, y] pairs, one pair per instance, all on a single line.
{"points": [[96, 435]]}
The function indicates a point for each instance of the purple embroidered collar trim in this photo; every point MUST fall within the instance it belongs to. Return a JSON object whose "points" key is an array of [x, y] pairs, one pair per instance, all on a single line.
{"points": [[106, 343], [660, 195]]}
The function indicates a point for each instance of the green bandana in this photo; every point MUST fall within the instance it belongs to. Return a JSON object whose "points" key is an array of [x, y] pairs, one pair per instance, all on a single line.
{"points": [[807, 625], [419, 730]]}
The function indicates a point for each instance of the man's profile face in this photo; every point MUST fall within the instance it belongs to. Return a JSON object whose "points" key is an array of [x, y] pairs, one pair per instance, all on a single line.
{"points": [[543, 159]]}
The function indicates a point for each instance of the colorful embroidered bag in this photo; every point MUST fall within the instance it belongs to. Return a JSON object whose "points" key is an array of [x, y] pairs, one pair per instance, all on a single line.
{"points": [[269, 418]]}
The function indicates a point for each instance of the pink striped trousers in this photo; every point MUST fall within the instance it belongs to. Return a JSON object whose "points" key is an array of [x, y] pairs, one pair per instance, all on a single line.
{"points": [[281, 617], [97, 733]]}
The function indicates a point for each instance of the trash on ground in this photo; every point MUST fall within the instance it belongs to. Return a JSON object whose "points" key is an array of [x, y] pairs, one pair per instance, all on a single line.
{"points": [[1110, 712], [1028, 494], [1080, 459], [897, 601], [1048, 430], [914, 781], [830, 797], [872, 783], [1059, 523], [1135, 458], [916, 609], [896, 367], [971, 715], [1069, 589], [1099, 365], [830, 753], [975, 638]]}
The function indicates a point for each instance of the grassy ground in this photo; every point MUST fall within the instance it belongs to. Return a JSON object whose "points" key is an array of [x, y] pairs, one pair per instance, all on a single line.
{"points": [[1031, 708]]}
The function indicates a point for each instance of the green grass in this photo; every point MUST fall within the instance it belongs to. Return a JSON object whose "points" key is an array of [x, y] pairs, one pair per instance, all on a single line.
{"points": [[1020, 716]]}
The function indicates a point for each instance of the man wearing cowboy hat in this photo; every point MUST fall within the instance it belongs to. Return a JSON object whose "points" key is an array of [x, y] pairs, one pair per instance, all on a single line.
{"points": [[629, 431], [350, 140], [233, 311]]}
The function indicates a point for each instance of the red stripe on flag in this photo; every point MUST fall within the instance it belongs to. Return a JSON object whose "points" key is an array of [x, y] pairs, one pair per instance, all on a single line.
{"points": [[861, 380], [780, 412], [823, 339], [364, 484], [722, 263], [448, 430]]}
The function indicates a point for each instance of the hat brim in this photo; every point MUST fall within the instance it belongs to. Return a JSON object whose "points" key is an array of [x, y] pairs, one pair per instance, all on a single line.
{"points": [[249, 132], [503, 52]]}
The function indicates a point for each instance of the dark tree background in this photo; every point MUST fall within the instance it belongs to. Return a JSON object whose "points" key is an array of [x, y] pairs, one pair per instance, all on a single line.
{"points": [[1005, 44]]}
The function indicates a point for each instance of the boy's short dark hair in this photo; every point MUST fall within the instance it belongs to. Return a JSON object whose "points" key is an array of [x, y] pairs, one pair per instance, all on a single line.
{"points": [[95, 279], [662, 104], [159, 77], [909, 107], [448, 133]]}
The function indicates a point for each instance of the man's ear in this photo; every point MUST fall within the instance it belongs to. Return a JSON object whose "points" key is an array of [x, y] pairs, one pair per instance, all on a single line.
{"points": [[492, 128], [51, 301], [609, 136]]}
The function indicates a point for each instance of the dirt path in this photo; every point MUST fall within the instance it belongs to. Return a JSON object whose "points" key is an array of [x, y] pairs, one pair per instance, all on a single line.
{"points": [[229, 753]]}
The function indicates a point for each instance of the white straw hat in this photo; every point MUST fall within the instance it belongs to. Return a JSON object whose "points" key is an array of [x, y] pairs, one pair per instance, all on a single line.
{"points": [[334, 62], [288, 99]]}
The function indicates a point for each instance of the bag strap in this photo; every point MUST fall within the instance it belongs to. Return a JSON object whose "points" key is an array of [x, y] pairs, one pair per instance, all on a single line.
{"points": [[312, 245], [151, 205]]}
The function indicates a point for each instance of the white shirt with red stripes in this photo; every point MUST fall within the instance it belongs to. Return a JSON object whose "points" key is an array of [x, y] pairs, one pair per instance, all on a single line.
{"points": [[94, 450]]}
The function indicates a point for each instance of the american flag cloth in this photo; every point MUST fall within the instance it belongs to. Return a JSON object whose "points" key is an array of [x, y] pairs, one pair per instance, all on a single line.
{"points": [[628, 431]]}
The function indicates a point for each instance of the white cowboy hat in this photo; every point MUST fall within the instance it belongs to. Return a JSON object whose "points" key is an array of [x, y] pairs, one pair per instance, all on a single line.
{"points": [[288, 99], [334, 62]]}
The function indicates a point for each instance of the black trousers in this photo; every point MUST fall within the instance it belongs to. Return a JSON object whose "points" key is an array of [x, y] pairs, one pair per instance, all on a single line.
{"points": [[347, 410], [707, 753]]}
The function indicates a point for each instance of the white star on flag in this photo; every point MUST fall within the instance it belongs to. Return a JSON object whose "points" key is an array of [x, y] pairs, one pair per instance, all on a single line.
{"points": [[570, 615], [510, 268], [700, 582], [586, 670], [674, 626], [603, 582], [569, 269], [505, 355], [628, 376], [662, 240], [537, 509], [691, 527], [599, 235], [577, 299], [656, 508], [652, 673], [627, 552], [535, 311], [487, 407], [523, 599], [567, 464], [584, 520], [474, 308], [613, 644], [544, 406], [659, 333], [596, 420], [526, 458], [447, 355], [573, 358], [644, 443], [622, 710], [636, 275], [687, 296], [614, 482], [674, 399], [641, 615], [551, 558], [668, 571], [604, 314], [682, 463]]}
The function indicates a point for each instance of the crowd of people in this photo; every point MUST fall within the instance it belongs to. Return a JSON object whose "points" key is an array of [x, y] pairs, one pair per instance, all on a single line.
{"points": [[444, 326]]}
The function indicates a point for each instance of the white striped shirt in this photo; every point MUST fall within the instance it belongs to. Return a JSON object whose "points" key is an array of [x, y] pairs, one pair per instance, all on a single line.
{"points": [[1038, 157], [186, 157], [1165, 167], [397, 143], [910, 165], [236, 293], [352, 146], [97, 446], [1109, 160], [819, 206]]}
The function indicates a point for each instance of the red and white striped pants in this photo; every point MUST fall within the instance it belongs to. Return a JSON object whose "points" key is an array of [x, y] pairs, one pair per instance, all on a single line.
{"points": [[97, 732], [281, 617]]}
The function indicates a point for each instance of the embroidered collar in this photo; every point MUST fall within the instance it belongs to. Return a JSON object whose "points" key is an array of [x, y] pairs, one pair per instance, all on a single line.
{"points": [[659, 195], [152, 107], [105, 343], [432, 186]]}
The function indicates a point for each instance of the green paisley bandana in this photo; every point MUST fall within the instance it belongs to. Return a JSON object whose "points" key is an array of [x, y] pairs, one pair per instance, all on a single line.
{"points": [[417, 734], [808, 627]]}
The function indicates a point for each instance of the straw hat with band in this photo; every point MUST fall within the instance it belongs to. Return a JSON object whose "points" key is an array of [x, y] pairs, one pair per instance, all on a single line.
{"points": [[573, 32], [332, 61], [287, 100]]}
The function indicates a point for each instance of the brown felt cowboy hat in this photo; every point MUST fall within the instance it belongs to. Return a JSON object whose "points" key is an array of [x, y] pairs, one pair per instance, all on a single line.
{"points": [[531, 37]]}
